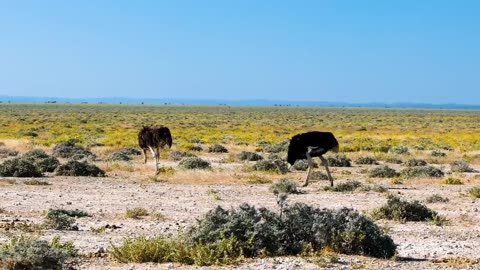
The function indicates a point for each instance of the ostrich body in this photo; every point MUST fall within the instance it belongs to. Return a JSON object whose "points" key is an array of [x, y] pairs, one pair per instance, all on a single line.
{"points": [[154, 138], [312, 144]]}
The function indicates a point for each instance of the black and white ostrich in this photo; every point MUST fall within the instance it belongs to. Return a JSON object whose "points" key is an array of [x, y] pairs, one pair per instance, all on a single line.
{"points": [[154, 138], [312, 144]]}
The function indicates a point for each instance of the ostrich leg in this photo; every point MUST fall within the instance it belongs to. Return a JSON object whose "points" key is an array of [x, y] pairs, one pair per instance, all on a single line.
{"points": [[154, 158], [310, 166], [325, 163], [144, 156]]}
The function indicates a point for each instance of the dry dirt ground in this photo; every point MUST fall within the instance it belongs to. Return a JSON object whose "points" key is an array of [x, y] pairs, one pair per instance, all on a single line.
{"points": [[187, 195]]}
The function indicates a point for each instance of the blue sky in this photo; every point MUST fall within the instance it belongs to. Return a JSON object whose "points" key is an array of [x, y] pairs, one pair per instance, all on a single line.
{"points": [[351, 51]]}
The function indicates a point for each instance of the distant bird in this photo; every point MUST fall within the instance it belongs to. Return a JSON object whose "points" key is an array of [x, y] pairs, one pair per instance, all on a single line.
{"points": [[312, 144], [154, 138]]}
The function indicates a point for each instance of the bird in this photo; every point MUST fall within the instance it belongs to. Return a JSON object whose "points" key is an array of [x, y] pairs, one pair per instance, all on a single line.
{"points": [[312, 144], [154, 138]]}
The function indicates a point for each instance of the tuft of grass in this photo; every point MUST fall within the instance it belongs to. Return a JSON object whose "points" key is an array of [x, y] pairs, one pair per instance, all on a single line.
{"points": [[257, 179], [136, 213], [166, 171], [474, 192], [215, 194], [435, 198], [452, 181], [35, 182]]}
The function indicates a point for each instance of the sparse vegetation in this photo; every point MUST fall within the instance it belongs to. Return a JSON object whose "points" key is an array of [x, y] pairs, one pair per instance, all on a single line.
{"points": [[19, 168], [400, 150], [382, 172], [394, 160], [284, 186], [348, 186], [461, 166], [70, 150], [452, 181], [194, 163], [402, 210], [339, 160], [435, 198], [77, 168], [217, 148], [277, 166], [36, 182], [421, 171], [366, 160], [136, 212], [42, 160], [249, 156], [474, 192], [179, 155], [414, 162]]}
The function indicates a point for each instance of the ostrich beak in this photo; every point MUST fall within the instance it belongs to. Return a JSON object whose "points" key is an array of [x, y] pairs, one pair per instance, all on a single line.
{"points": [[335, 149]]}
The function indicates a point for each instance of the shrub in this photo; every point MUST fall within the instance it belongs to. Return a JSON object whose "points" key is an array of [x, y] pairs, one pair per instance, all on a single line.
{"points": [[19, 168], [4, 152], [130, 151], [136, 212], [452, 181], [474, 192], [194, 147], [300, 165], [421, 171], [436, 198], [394, 160], [76, 168], [401, 210], [277, 148], [29, 253], [250, 156], [217, 148], [382, 172], [59, 220], [119, 156], [399, 150], [277, 166], [35, 182], [68, 149], [284, 186], [302, 226], [415, 162], [179, 155], [194, 163], [366, 161], [318, 175], [438, 153], [339, 160], [461, 166], [348, 186], [42, 160]]}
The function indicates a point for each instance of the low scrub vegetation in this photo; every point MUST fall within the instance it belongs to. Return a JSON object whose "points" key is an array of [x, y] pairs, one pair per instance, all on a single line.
{"points": [[422, 171], [284, 186], [77, 168], [461, 166], [136, 213], [366, 160], [435, 198], [194, 163], [23, 253], [217, 148], [401, 150], [382, 172], [227, 236], [402, 210], [5, 152], [179, 155], [277, 166], [249, 156], [414, 162], [70, 150], [18, 167], [339, 160], [62, 219], [452, 181], [348, 186], [42, 160], [474, 192]]}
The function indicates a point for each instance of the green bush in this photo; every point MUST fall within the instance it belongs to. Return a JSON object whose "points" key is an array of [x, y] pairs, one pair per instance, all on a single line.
{"points": [[70, 150], [250, 156], [366, 161], [401, 210], [348, 186], [217, 148], [421, 171], [284, 186], [19, 168], [382, 172], [28, 253], [277, 166], [61, 219], [415, 162], [461, 166], [339, 160], [194, 163], [77, 168], [42, 160]]}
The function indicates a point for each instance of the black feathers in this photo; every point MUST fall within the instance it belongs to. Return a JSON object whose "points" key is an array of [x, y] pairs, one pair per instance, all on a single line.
{"points": [[318, 142], [154, 136]]}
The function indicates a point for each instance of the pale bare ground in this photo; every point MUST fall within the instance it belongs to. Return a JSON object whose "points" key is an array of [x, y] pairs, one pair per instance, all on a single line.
{"points": [[185, 196]]}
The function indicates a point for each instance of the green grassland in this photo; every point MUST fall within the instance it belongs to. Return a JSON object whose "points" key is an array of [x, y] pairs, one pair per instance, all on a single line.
{"points": [[356, 128]]}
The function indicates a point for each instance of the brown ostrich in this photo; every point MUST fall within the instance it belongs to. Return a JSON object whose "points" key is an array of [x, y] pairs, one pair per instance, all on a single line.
{"points": [[154, 138], [312, 144]]}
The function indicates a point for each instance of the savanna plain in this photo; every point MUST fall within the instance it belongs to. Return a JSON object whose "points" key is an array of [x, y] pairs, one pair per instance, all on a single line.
{"points": [[76, 194]]}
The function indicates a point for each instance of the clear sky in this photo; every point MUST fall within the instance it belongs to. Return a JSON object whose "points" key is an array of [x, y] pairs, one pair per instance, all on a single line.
{"points": [[320, 50]]}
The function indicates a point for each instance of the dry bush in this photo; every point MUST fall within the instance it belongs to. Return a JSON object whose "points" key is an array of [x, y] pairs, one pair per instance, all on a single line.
{"points": [[77, 168], [19, 168]]}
